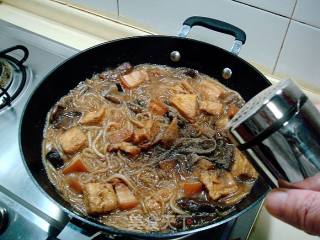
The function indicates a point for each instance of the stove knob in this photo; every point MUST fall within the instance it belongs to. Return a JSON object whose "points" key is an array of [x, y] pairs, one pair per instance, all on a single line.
{"points": [[3, 219]]}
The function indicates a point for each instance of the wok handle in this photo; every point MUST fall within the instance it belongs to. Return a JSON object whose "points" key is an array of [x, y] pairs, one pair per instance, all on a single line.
{"points": [[14, 48], [216, 25]]}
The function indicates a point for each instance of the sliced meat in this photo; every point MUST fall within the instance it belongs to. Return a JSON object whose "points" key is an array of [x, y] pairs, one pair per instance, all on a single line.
{"points": [[73, 140], [134, 79], [93, 118], [99, 198], [186, 85], [242, 168], [125, 197], [186, 104], [171, 134], [213, 108], [126, 147], [77, 164], [210, 91], [157, 107], [219, 183]]}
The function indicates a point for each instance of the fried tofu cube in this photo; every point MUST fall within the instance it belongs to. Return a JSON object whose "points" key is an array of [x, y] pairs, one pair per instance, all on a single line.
{"points": [[170, 134], [134, 79], [93, 118], [146, 134], [73, 140], [126, 147], [204, 164], [120, 135], [186, 104], [242, 168], [157, 107], [77, 164], [218, 183], [212, 108], [99, 198], [210, 91], [125, 197]]}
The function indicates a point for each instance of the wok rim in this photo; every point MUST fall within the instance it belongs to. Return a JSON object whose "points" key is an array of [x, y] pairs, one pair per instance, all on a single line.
{"points": [[110, 229]]}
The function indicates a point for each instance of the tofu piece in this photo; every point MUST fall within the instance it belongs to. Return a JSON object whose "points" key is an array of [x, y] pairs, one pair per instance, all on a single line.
{"points": [[222, 122], [146, 134], [186, 104], [212, 108], [126, 199], [170, 134], [73, 140], [218, 183], [157, 107], [242, 168], [99, 198], [77, 164], [93, 118], [210, 91], [204, 164], [134, 79], [126, 147], [121, 135]]}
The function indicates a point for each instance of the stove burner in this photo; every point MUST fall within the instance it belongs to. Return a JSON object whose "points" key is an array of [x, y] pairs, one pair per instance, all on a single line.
{"points": [[12, 75]]}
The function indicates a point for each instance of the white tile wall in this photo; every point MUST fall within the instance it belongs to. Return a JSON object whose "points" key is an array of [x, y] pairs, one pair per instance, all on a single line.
{"points": [[265, 31], [308, 11], [103, 6], [300, 56], [282, 7]]}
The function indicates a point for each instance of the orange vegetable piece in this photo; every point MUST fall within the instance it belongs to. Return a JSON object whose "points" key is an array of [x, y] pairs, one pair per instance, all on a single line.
{"points": [[126, 199], [76, 165], [75, 185], [191, 188]]}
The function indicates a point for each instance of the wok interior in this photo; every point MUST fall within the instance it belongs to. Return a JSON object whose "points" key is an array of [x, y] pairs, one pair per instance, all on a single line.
{"points": [[67, 76]]}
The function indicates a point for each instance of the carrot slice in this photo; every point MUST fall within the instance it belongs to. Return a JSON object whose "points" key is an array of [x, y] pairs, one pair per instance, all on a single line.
{"points": [[76, 165], [126, 199], [191, 188], [75, 185]]}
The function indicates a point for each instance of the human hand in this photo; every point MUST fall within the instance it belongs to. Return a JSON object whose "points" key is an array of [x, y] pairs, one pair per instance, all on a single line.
{"points": [[297, 204]]}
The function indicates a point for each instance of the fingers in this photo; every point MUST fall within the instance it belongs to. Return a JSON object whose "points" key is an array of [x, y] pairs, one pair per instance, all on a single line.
{"points": [[300, 208], [311, 183]]}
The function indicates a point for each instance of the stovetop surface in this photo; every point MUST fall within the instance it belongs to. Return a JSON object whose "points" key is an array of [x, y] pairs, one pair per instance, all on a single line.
{"points": [[16, 187]]}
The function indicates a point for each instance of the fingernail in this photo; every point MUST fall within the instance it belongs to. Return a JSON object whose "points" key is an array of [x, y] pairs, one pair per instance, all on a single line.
{"points": [[275, 201]]}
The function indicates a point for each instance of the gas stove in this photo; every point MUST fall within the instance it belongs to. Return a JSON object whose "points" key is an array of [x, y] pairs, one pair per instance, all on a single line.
{"points": [[25, 212]]}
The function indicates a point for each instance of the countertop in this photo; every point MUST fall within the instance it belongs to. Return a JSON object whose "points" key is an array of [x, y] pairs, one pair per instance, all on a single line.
{"points": [[266, 226]]}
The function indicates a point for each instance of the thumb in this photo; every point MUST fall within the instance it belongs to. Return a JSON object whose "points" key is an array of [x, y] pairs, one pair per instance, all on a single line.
{"points": [[300, 208]]}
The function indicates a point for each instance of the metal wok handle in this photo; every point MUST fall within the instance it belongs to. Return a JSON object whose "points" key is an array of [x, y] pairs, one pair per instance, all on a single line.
{"points": [[216, 25]]}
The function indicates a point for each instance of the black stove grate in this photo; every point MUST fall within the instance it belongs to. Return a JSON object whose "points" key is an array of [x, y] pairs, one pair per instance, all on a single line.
{"points": [[6, 97]]}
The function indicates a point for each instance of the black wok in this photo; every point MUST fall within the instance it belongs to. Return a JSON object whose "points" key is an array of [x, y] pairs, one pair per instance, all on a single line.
{"points": [[201, 56]]}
